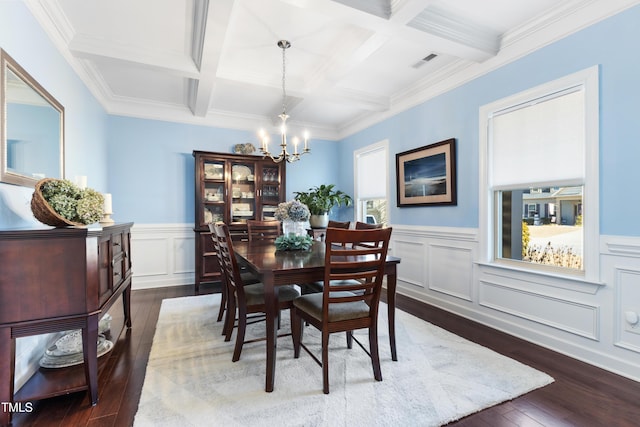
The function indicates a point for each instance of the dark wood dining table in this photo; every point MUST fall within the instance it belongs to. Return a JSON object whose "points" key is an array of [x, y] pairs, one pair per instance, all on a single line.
{"points": [[278, 268]]}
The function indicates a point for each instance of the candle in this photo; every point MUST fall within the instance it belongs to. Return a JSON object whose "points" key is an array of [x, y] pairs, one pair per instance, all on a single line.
{"points": [[108, 208], [295, 145], [306, 141], [81, 182]]}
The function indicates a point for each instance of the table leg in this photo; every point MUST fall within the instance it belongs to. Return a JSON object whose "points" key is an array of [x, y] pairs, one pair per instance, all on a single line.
{"points": [[270, 297], [90, 349], [126, 304], [391, 307]]}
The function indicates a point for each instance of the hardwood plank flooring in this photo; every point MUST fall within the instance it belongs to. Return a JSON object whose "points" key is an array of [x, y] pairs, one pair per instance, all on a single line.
{"points": [[582, 395]]}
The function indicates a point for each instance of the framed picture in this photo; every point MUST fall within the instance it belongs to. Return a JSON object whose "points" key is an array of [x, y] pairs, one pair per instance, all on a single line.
{"points": [[427, 175]]}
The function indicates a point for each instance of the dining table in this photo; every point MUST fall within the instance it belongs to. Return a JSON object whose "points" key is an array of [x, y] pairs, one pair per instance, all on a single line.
{"points": [[278, 268]]}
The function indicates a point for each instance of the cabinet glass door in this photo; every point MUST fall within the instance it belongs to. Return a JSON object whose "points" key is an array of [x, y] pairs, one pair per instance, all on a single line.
{"points": [[213, 196], [243, 191], [270, 191]]}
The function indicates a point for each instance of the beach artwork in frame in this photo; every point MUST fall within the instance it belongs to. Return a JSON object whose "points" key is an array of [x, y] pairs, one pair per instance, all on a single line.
{"points": [[427, 175]]}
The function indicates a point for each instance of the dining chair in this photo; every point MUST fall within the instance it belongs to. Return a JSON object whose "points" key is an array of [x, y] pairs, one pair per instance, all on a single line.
{"points": [[313, 287], [246, 299], [247, 278], [345, 307], [263, 230]]}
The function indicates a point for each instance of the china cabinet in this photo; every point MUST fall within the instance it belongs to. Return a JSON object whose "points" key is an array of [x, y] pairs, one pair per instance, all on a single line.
{"points": [[232, 188]]}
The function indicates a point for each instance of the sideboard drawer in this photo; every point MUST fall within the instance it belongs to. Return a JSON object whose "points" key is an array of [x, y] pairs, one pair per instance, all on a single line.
{"points": [[116, 266], [116, 243]]}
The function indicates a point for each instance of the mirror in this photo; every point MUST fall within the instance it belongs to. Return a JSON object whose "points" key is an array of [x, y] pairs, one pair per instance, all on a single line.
{"points": [[32, 128]]}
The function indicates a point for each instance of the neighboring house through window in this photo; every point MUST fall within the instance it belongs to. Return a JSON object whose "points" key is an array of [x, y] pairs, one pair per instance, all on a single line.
{"points": [[539, 177]]}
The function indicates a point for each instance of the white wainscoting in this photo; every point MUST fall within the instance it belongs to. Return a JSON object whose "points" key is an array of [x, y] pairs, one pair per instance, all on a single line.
{"points": [[583, 320], [162, 255]]}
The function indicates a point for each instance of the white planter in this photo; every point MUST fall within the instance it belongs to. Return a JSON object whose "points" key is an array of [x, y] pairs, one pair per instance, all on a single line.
{"points": [[319, 221]]}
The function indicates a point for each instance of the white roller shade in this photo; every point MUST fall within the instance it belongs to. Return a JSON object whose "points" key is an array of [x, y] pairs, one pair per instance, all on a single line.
{"points": [[539, 141], [371, 172]]}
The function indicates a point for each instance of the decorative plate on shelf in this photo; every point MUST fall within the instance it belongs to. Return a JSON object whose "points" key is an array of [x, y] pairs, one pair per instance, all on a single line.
{"points": [[240, 172], [67, 350]]}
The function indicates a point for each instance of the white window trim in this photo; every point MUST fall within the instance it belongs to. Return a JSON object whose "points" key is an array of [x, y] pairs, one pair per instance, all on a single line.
{"points": [[589, 79], [384, 144]]}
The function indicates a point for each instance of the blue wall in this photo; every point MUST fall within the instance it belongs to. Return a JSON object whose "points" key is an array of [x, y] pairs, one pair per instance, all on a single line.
{"points": [[150, 167], [85, 120], [609, 44], [153, 178]]}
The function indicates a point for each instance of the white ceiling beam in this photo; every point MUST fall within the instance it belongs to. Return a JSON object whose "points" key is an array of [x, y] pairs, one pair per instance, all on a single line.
{"points": [[379, 8], [397, 28], [208, 40], [443, 23], [87, 47]]}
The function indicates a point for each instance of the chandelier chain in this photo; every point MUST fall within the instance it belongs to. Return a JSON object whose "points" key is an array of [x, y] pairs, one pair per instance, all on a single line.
{"points": [[284, 92]]}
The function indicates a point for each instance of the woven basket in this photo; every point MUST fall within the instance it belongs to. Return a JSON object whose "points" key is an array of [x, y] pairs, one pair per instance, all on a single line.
{"points": [[43, 211]]}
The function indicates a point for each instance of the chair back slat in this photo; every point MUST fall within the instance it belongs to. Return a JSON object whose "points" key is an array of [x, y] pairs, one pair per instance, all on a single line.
{"points": [[338, 224], [356, 269], [366, 226], [263, 230], [226, 256]]}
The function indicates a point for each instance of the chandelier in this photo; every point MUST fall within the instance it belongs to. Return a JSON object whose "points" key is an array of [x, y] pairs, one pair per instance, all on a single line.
{"points": [[284, 154]]}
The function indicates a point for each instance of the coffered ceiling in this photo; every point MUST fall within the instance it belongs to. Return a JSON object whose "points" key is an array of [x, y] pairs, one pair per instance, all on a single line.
{"points": [[352, 62]]}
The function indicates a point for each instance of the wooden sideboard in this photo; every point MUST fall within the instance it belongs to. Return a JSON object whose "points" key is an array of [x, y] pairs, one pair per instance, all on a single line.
{"points": [[55, 280]]}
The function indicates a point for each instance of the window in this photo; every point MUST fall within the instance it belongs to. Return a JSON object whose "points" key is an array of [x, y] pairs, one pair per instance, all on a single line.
{"points": [[536, 147], [371, 177]]}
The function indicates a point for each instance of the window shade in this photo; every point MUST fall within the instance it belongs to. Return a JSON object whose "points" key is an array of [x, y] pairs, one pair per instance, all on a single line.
{"points": [[539, 141], [371, 174]]}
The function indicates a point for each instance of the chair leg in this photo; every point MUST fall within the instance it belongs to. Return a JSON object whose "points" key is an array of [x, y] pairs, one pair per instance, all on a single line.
{"points": [[325, 362], [373, 349], [223, 302], [230, 318], [242, 327], [349, 340]]}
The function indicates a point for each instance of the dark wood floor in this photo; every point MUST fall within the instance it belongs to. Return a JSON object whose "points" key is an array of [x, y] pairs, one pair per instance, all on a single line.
{"points": [[581, 395]]}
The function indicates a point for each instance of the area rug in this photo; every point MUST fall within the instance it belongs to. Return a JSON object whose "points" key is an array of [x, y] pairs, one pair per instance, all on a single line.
{"points": [[438, 378]]}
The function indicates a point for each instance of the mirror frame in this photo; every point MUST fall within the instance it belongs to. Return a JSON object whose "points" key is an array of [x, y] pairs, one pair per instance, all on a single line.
{"points": [[6, 176]]}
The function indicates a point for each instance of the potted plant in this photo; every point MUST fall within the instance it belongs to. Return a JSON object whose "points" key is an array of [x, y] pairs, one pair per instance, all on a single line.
{"points": [[320, 200]]}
